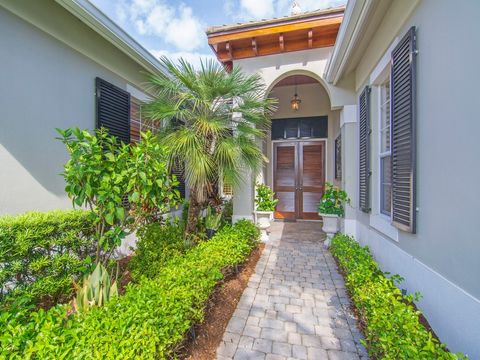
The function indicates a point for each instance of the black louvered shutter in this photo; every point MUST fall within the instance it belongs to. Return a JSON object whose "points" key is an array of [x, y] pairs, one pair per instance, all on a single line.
{"points": [[403, 132], [178, 172], [364, 149], [113, 110]]}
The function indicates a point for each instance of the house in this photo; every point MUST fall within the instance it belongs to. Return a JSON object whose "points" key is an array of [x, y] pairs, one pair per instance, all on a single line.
{"points": [[387, 111], [64, 64]]}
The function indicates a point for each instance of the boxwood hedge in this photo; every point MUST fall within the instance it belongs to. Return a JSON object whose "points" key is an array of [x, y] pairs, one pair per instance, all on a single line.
{"points": [[148, 322], [391, 324], [40, 252]]}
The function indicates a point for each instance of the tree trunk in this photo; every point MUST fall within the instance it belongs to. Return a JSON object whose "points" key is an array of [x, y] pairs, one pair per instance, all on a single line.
{"points": [[193, 213]]}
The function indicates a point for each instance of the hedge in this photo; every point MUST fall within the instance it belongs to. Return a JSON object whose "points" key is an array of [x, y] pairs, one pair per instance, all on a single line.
{"points": [[148, 322], [390, 322], [40, 253]]}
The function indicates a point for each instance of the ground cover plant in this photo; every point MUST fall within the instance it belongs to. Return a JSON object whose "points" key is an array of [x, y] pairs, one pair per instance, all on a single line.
{"points": [[390, 322], [148, 322], [40, 254]]}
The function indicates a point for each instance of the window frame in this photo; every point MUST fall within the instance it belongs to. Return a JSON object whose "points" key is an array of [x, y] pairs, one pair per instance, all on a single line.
{"points": [[385, 78]]}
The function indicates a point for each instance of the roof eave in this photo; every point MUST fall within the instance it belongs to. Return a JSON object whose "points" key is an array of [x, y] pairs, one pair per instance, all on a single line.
{"points": [[357, 14], [89, 14]]}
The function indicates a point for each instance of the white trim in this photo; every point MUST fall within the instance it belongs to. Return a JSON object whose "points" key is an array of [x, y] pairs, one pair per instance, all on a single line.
{"points": [[453, 313], [138, 94], [348, 115], [89, 14]]}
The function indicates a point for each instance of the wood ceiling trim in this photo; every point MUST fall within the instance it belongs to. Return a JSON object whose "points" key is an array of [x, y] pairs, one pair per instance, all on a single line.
{"points": [[277, 29]]}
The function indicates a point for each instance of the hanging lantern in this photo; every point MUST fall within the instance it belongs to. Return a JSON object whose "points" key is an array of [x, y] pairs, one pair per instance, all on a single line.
{"points": [[295, 103]]}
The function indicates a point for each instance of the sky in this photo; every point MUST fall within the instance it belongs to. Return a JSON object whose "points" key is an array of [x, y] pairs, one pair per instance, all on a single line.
{"points": [[177, 28]]}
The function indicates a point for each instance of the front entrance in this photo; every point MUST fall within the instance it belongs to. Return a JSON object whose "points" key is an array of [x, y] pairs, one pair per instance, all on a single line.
{"points": [[298, 178]]}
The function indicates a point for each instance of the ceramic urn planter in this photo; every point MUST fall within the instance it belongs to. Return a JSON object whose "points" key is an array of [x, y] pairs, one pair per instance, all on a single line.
{"points": [[263, 219], [330, 226]]}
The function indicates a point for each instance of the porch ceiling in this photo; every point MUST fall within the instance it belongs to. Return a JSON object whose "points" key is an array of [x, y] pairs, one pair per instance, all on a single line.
{"points": [[311, 30]]}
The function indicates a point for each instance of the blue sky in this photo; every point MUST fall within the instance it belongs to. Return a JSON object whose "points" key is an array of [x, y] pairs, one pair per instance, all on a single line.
{"points": [[177, 28]]}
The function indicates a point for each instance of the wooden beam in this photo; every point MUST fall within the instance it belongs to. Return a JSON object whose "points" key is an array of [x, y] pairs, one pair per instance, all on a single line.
{"points": [[310, 38], [242, 34], [282, 42], [229, 50], [254, 46]]}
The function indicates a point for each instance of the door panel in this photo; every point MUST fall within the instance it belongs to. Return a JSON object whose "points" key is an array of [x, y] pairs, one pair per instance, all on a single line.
{"points": [[299, 178], [285, 179], [312, 178]]}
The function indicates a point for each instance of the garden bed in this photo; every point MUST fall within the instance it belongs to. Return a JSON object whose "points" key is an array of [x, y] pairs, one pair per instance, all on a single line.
{"points": [[392, 325], [219, 310]]}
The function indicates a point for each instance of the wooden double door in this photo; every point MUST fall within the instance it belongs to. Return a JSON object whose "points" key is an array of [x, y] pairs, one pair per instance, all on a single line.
{"points": [[298, 178]]}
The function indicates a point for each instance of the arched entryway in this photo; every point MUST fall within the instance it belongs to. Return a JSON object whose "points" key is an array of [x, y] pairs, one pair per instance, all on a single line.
{"points": [[300, 146]]}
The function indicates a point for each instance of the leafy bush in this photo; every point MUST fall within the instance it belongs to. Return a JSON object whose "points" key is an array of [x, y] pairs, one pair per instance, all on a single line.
{"points": [[213, 218], [332, 201], [227, 212], [157, 243], [40, 253], [265, 198], [101, 171], [148, 322], [391, 324]]}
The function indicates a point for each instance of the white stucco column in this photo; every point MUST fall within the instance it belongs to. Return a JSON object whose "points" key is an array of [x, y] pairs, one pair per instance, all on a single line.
{"points": [[348, 120]]}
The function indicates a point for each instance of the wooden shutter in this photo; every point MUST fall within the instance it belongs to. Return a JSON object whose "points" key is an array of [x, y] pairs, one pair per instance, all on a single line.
{"points": [[403, 133], [364, 149], [113, 110]]}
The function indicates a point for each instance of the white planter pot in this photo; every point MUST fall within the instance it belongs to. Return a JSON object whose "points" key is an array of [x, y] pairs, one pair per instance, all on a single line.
{"points": [[330, 226], [263, 219]]}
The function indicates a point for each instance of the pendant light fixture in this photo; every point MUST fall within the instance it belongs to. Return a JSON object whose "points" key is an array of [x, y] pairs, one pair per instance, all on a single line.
{"points": [[295, 103]]}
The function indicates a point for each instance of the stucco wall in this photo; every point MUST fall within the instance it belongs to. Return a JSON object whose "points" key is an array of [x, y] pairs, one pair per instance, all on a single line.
{"points": [[441, 260], [46, 84]]}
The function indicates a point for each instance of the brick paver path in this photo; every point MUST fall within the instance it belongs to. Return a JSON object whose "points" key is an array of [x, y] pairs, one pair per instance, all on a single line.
{"points": [[295, 305]]}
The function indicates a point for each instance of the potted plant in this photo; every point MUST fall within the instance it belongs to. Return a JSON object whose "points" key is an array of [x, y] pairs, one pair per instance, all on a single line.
{"points": [[212, 221], [331, 208], [265, 203]]}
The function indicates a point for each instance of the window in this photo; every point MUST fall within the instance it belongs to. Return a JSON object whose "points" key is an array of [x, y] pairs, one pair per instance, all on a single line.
{"points": [[385, 149], [307, 127], [338, 157]]}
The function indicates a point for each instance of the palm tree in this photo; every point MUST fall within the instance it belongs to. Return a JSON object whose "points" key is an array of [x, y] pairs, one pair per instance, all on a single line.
{"points": [[211, 119]]}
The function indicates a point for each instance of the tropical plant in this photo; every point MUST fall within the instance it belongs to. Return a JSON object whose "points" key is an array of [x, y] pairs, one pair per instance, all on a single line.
{"points": [[101, 171], [212, 219], [96, 290], [332, 200], [212, 120], [265, 198]]}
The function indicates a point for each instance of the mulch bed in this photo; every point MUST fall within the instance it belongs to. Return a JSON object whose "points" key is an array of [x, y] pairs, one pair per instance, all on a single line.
{"points": [[218, 312]]}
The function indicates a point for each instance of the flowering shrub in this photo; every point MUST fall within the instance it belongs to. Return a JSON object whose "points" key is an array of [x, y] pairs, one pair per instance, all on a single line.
{"points": [[332, 201]]}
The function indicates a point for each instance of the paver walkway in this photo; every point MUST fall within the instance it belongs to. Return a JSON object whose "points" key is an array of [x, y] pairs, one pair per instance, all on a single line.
{"points": [[295, 305]]}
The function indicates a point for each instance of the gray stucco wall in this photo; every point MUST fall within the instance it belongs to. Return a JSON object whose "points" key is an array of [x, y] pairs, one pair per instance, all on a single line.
{"points": [[47, 84], [442, 259]]}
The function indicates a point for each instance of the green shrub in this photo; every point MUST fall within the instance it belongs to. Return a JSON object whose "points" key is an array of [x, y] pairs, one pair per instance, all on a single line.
{"points": [[265, 198], [391, 324], [148, 322], [332, 200], [157, 243], [40, 253]]}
